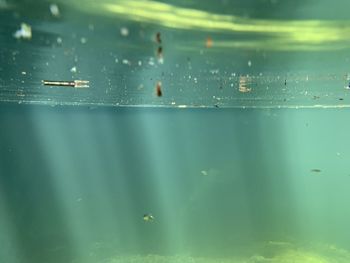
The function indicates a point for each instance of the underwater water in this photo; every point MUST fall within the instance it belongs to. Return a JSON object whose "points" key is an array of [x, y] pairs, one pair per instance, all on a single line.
{"points": [[222, 185], [174, 131]]}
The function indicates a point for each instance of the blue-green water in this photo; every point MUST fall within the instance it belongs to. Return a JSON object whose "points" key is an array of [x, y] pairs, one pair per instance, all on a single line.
{"points": [[223, 183], [230, 184]]}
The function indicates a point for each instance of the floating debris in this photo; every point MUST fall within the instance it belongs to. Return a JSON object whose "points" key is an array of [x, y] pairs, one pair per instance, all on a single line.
{"points": [[160, 55], [158, 39], [55, 11], [209, 42], [83, 40], [25, 32], [203, 172], [151, 62], [212, 172], [124, 31], [159, 89], [347, 76], [126, 62], [59, 40], [243, 84], [315, 170], [74, 83], [249, 63], [160, 52], [148, 217], [73, 69]]}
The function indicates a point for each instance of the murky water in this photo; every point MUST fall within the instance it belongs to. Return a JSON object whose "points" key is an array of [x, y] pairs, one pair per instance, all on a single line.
{"points": [[223, 185], [183, 131]]}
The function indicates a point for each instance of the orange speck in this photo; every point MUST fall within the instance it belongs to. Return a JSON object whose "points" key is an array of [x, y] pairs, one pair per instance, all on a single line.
{"points": [[209, 42]]}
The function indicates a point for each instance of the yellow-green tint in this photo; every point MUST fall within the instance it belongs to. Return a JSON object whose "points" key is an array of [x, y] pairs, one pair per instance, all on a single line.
{"points": [[304, 32]]}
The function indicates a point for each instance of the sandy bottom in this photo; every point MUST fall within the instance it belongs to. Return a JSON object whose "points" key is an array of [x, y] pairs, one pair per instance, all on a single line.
{"points": [[272, 251]]}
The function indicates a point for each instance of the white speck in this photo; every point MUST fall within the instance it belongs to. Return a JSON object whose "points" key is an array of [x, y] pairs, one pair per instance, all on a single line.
{"points": [[79, 199], [59, 40], [232, 85], [25, 32], [116, 60], [124, 31], [24, 73], [83, 40], [249, 63], [195, 80], [173, 103], [161, 60], [151, 62], [204, 172], [338, 154], [55, 11], [139, 63], [126, 62], [73, 69]]}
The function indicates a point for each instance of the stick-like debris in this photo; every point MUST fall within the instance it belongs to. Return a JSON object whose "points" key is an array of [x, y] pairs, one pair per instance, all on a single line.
{"points": [[73, 83]]}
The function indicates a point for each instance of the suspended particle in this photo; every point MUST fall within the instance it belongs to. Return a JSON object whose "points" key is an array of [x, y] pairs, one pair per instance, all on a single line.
{"points": [[158, 39], [83, 40], [160, 55], [148, 218], [25, 32], [159, 89], [243, 84], [209, 42], [73, 69], [124, 31], [159, 52], [55, 11], [315, 170], [67, 83]]}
